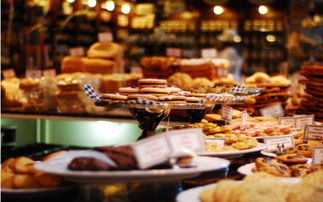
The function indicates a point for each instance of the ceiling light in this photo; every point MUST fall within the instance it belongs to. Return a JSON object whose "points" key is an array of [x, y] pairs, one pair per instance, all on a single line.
{"points": [[218, 10], [263, 9]]}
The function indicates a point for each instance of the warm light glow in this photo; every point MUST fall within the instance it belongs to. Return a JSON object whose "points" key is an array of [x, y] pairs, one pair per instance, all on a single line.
{"points": [[271, 38], [109, 5], [91, 3], [263, 9], [218, 10], [125, 9], [237, 39], [70, 1]]}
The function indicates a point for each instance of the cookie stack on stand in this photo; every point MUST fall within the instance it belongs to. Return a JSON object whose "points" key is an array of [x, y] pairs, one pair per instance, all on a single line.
{"points": [[275, 90], [312, 102]]}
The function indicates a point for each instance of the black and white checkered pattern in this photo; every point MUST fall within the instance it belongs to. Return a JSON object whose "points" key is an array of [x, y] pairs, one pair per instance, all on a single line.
{"points": [[239, 90], [90, 92]]}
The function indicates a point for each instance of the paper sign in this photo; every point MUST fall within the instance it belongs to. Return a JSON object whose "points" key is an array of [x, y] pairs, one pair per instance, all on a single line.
{"points": [[226, 112], [8, 73], [175, 52], [33, 73], [49, 73], [313, 132], [151, 151], [136, 69], [222, 72], [209, 53], [272, 111], [276, 143], [244, 118], [317, 155], [105, 36], [189, 53], [185, 142], [302, 121], [287, 121], [77, 51]]}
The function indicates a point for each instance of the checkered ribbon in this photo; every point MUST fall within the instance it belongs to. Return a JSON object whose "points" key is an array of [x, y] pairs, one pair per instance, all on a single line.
{"points": [[239, 89], [90, 92]]}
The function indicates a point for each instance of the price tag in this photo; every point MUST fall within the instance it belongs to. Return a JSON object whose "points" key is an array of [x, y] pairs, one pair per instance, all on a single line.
{"points": [[79, 51], [277, 143], [49, 73], [105, 36], [189, 53], [226, 113], [313, 132], [175, 52], [136, 69], [317, 155], [33, 73], [287, 121], [209, 53], [185, 142], [151, 151], [302, 121], [244, 118], [272, 111], [8, 73]]}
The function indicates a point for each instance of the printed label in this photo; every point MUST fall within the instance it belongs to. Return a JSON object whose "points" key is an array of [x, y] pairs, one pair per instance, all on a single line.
{"points": [[226, 112], [272, 111], [185, 142], [317, 155], [33, 73], [209, 53], [136, 69], [8, 73], [49, 73], [279, 143], [313, 132], [287, 121], [302, 121], [105, 36], [79, 51], [244, 118], [175, 52], [151, 151]]}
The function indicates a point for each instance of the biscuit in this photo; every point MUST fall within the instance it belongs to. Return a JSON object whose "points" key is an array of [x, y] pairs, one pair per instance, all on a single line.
{"points": [[272, 166], [291, 158], [300, 170], [134, 97], [152, 83], [173, 99], [113, 98], [128, 90], [193, 100], [155, 91]]}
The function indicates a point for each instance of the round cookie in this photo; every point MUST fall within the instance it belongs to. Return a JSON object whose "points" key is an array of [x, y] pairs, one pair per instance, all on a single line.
{"points": [[291, 158], [133, 98], [155, 91], [193, 100], [113, 98], [173, 99], [128, 90], [152, 83], [300, 170]]}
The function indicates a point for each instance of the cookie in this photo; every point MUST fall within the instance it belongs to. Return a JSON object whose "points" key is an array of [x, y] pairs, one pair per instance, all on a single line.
{"points": [[133, 98], [155, 91], [173, 99], [174, 90], [193, 100], [128, 90], [271, 166], [152, 83], [300, 170], [291, 158], [113, 98], [303, 150]]}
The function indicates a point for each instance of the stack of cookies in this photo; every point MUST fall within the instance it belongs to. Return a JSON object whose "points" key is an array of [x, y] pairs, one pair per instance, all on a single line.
{"points": [[312, 103]]}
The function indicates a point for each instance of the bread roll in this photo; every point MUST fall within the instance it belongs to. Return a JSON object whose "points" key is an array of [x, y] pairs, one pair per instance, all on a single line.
{"points": [[72, 64], [105, 49], [102, 66]]}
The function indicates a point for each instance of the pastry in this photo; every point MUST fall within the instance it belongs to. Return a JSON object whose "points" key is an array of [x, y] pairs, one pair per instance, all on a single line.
{"points": [[300, 170], [291, 158], [105, 49], [180, 80], [88, 163], [272, 166], [193, 100], [99, 66], [72, 64]]}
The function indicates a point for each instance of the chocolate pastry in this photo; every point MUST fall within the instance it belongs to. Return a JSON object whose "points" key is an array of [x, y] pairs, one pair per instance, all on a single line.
{"points": [[300, 170], [272, 166], [88, 163]]}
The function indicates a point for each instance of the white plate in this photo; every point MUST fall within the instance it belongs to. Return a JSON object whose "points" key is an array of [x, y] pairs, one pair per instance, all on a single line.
{"points": [[267, 153], [247, 170], [192, 195], [58, 166], [257, 137], [259, 147], [35, 192]]}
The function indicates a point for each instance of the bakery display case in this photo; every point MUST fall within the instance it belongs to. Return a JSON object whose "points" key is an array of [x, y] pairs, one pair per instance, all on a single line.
{"points": [[108, 100]]}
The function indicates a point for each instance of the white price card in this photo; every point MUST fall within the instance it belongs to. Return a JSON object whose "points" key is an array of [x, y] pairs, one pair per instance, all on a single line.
{"points": [[226, 112], [313, 132], [276, 143], [33, 73], [77, 52], [209, 53], [317, 157], [287, 121], [105, 36], [185, 142], [8, 73], [272, 111], [49, 73], [175, 52], [244, 118], [151, 151], [136, 69], [302, 121]]}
